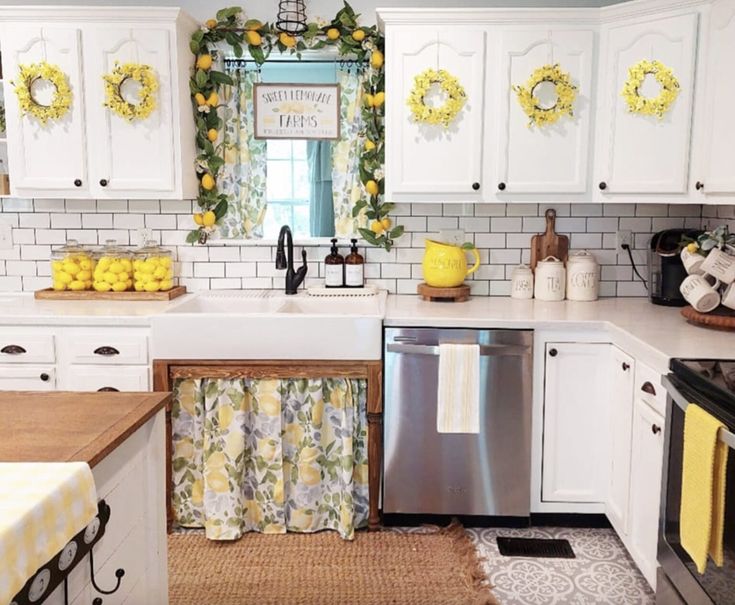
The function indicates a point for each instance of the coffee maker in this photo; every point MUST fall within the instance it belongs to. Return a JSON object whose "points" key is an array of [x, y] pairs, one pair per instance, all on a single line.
{"points": [[665, 269]]}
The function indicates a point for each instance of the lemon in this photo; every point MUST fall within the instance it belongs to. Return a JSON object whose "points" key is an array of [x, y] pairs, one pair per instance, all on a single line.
{"points": [[165, 261], [58, 286], [386, 222], [119, 286], [253, 38], [693, 247], [76, 285], [167, 284], [358, 35], [372, 187], [213, 99], [378, 99], [376, 227], [369, 145], [153, 286], [333, 33], [63, 277], [139, 286], [123, 276], [116, 267], [208, 182], [369, 100], [211, 23], [204, 62], [159, 273], [102, 286], [198, 218], [209, 218], [86, 264], [104, 263], [84, 275], [126, 264], [57, 265], [212, 134], [110, 277], [199, 98], [71, 268], [377, 59], [287, 40]]}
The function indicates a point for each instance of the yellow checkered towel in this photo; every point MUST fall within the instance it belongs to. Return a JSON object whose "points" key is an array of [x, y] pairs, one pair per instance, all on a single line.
{"points": [[702, 513], [42, 506], [458, 391]]}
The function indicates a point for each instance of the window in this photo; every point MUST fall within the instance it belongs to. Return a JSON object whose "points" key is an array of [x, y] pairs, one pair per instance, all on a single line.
{"points": [[287, 189]]}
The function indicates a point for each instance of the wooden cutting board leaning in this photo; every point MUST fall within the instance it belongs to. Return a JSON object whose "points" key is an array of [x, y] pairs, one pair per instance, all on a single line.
{"points": [[549, 243]]}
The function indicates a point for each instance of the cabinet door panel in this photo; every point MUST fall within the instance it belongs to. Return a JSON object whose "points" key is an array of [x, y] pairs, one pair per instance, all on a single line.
{"points": [[45, 159], [131, 156], [118, 378], [547, 159], [422, 159], [27, 378], [637, 153]]}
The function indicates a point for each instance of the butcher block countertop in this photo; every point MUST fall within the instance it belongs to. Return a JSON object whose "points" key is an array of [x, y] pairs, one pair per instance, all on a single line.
{"points": [[66, 427]]}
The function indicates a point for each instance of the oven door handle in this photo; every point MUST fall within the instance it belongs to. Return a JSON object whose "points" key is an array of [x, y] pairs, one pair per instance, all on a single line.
{"points": [[723, 435], [485, 350]]}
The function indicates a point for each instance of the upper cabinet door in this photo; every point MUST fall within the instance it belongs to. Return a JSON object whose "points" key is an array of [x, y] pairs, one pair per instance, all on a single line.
{"points": [[719, 174], [128, 158], [49, 158], [428, 162], [639, 153], [552, 158]]}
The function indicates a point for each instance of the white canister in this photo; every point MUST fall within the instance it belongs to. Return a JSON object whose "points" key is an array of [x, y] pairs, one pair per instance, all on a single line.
{"points": [[550, 280], [521, 282], [583, 277]]}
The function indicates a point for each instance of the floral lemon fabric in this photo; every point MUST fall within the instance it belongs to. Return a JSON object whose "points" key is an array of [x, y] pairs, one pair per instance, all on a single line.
{"points": [[270, 455]]}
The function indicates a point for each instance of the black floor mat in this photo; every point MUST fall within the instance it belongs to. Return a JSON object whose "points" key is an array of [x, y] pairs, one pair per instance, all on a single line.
{"points": [[535, 547]]}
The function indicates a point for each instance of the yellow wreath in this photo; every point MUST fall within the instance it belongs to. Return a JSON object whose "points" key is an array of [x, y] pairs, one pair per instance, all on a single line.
{"points": [[653, 106], [445, 113], [61, 100], [145, 77], [566, 93]]}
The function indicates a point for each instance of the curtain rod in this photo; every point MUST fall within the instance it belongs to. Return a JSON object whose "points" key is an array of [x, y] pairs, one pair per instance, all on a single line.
{"points": [[239, 61]]}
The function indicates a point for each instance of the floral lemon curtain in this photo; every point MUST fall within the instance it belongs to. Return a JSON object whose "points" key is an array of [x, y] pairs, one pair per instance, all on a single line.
{"points": [[346, 186], [244, 172], [270, 455]]}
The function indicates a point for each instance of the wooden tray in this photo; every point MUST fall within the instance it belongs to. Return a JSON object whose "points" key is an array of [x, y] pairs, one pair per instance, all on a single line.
{"points": [[721, 318], [457, 294], [51, 294]]}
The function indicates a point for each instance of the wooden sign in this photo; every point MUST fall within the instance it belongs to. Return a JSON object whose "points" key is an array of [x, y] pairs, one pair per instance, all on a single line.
{"points": [[296, 111]]}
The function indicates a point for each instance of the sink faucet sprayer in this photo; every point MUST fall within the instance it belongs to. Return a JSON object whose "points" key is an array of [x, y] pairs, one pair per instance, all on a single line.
{"points": [[293, 278]]}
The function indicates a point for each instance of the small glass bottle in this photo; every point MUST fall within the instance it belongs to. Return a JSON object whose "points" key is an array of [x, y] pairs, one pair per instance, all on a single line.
{"points": [[334, 268], [72, 267], [114, 270], [153, 269], [354, 268]]}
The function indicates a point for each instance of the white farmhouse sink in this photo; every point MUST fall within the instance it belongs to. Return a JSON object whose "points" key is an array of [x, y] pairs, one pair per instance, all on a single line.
{"points": [[270, 325]]}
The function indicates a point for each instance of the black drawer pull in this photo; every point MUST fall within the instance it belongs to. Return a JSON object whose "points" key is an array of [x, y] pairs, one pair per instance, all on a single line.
{"points": [[45, 377], [108, 390], [476, 186], [501, 186], [77, 182], [648, 388], [107, 351], [626, 367], [699, 186], [602, 186], [553, 352], [655, 429], [103, 182], [13, 350]]}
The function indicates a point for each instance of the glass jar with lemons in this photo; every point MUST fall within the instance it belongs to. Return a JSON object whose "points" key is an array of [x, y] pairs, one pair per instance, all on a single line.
{"points": [[114, 270], [153, 269], [72, 267]]}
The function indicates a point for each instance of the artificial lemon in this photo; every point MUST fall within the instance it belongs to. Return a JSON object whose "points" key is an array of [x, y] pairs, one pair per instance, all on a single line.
{"points": [[211, 23], [71, 268], [693, 247], [333, 33], [63, 277], [209, 218], [208, 182], [213, 99], [199, 99], [386, 222], [152, 286], [372, 187], [287, 40], [102, 286], [369, 100], [376, 227], [77, 285], [358, 35], [58, 286], [212, 134], [253, 38], [377, 59], [119, 286], [369, 145], [198, 219], [204, 62], [378, 99]]}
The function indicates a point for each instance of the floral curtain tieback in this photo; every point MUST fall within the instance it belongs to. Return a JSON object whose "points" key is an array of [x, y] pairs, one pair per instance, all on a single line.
{"points": [[60, 101], [650, 106], [566, 94], [148, 85], [443, 114]]}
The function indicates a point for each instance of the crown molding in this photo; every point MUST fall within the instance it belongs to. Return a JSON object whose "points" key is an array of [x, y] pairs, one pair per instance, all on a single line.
{"points": [[109, 14]]}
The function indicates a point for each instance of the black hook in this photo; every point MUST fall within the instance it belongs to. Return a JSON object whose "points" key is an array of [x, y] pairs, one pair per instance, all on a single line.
{"points": [[119, 573]]}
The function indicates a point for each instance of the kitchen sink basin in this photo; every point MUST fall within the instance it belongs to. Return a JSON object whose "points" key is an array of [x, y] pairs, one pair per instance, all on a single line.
{"points": [[270, 325]]}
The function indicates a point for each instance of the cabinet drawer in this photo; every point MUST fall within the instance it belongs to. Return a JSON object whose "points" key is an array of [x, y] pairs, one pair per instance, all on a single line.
{"points": [[27, 378], [24, 347], [107, 347], [648, 387], [108, 378]]}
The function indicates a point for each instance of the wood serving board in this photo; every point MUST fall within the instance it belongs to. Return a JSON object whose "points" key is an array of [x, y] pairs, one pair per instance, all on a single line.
{"points": [[721, 318], [549, 243], [51, 294], [456, 294]]}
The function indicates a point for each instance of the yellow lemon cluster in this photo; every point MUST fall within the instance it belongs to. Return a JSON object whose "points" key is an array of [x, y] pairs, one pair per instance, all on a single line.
{"points": [[154, 274], [73, 272], [113, 273]]}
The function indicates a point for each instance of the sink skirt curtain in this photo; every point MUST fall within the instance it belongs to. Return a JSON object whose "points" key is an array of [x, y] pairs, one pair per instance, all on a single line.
{"points": [[270, 455]]}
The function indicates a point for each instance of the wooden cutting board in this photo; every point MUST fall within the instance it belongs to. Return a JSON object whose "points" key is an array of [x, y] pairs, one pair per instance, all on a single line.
{"points": [[549, 243]]}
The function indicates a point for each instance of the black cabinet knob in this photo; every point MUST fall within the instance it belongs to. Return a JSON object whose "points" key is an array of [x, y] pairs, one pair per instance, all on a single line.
{"points": [[476, 186], [77, 182], [602, 186], [103, 182], [655, 429], [553, 352], [626, 367], [45, 377], [501, 186], [699, 186]]}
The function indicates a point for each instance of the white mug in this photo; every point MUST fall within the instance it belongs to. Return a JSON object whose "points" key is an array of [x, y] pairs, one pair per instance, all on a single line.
{"points": [[728, 296], [699, 293], [721, 265], [692, 262]]}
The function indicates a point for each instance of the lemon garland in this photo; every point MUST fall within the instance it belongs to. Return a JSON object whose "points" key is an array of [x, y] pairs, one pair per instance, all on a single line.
{"points": [[444, 114], [61, 100], [650, 106], [566, 94], [145, 77]]}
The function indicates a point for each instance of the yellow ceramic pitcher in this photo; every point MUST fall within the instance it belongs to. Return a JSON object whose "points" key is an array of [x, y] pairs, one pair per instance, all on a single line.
{"points": [[445, 265]]}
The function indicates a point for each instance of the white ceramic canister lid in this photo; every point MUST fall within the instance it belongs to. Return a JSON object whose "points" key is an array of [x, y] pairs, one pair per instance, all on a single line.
{"points": [[582, 256], [522, 271], [549, 261]]}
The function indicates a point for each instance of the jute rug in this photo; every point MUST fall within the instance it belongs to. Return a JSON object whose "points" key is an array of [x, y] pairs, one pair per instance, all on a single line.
{"points": [[436, 567]]}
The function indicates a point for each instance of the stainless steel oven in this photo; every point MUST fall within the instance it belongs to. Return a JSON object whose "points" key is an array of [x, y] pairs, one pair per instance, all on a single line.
{"points": [[711, 385]]}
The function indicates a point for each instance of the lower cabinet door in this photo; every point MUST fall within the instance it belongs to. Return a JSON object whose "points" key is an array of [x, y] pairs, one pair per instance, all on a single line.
{"points": [[107, 378], [27, 378], [645, 487]]}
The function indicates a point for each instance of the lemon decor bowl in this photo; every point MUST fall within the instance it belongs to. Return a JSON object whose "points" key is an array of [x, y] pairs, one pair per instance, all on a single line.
{"points": [[445, 265]]}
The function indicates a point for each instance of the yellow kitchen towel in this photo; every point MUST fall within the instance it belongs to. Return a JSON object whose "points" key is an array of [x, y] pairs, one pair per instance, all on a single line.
{"points": [[458, 392], [42, 506], [702, 513]]}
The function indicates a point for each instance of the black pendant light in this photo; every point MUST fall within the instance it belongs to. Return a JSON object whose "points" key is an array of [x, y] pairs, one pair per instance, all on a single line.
{"points": [[291, 16]]}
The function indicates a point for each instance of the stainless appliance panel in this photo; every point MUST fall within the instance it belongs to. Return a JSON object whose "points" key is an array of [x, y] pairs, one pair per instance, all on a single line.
{"points": [[431, 473]]}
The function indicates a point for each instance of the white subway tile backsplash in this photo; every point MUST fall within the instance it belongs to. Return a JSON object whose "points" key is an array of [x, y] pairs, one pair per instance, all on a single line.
{"points": [[97, 221], [69, 220], [35, 220], [509, 225], [81, 205], [129, 221]]}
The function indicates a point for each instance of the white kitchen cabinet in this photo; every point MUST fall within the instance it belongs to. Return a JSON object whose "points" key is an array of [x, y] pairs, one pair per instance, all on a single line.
{"points": [[548, 159], [638, 154], [621, 369], [27, 377], [106, 378], [429, 162], [575, 422]]}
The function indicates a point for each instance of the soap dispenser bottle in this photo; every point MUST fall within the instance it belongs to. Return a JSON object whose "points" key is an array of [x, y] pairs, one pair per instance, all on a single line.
{"points": [[354, 268], [334, 268]]}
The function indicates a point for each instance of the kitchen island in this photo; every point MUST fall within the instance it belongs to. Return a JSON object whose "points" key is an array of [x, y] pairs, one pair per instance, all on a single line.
{"points": [[122, 438]]}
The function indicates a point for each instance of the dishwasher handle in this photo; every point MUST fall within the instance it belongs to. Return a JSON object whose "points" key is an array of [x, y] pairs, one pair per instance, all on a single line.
{"points": [[485, 350]]}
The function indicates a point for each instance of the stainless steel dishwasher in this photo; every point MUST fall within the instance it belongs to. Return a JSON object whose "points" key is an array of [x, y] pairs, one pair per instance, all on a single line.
{"points": [[461, 474]]}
